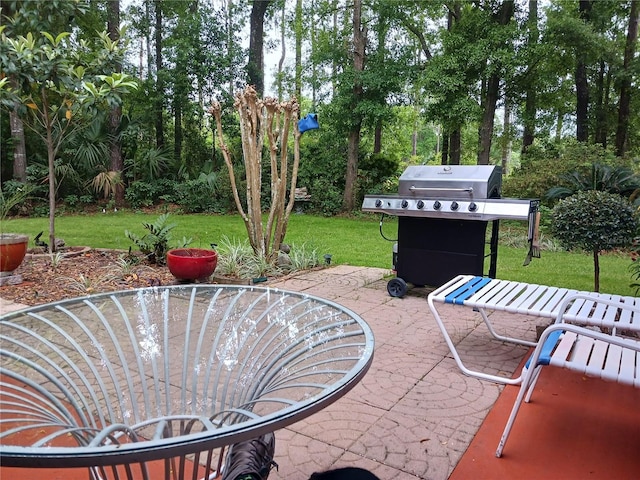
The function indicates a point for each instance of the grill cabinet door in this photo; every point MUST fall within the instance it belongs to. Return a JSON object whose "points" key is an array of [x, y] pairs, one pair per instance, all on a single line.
{"points": [[431, 251]]}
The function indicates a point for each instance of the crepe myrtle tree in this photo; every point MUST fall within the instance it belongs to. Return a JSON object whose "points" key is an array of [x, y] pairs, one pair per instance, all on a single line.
{"points": [[595, 221], [277, 122], [57, 85]]}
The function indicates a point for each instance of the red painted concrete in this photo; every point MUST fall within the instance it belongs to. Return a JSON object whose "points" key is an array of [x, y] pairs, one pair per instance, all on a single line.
{"points": [[575, 427]]}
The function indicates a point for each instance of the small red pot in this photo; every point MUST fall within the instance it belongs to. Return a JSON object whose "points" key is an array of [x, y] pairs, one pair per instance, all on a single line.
{"points": [[192, 263], [13, 248]]}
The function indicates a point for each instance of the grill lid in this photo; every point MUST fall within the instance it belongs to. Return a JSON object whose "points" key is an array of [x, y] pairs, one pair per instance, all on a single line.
{"points": [[451, 181]]}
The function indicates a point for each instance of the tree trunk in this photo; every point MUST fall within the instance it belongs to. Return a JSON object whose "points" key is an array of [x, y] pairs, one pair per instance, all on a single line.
{"points": [[530, 106], [596, 271], [51, 159], [454, 147], [283, 49], [622, 130], [115, 114], [559, 125], [334, 62], [299, 33], [314, 41], [491, 98], [255, 67], [359, 44], [159, 82], [445, 147], [486, 128], [600, 133], [353, 145], [177, 120], [377, 137], [582, 87], [506, 137], [19, 148], [147, 12]]}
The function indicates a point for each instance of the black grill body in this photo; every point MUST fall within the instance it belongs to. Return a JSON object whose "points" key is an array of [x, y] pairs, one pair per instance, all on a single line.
{"points": [[443, 214], [431, 251]]}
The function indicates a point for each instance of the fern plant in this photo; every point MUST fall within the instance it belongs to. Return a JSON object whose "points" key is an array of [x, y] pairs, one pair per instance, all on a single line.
{"points": [[156, 243]]}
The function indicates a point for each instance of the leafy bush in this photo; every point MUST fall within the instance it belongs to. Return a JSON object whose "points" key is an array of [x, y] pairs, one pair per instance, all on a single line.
{"points": [[77, 203], [375, 171], [544, 166], [145, 194], [232, 256], [13, 196], [606, 178], [156, 243], [304, 256], [224, 197], [200, 195], [236, 258], [140, 194], [326, 197], [322, 169], [594, 221]]}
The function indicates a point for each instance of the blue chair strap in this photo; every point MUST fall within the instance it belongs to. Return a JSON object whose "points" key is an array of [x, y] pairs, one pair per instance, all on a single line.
{"points": [[462, 293], [547, 348]]}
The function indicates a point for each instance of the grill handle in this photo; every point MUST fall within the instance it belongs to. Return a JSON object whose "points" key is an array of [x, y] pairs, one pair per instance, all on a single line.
{"points": [[413, 188]]}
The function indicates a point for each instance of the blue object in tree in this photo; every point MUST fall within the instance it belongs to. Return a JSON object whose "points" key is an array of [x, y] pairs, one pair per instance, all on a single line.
{"points": [[310, 122]]}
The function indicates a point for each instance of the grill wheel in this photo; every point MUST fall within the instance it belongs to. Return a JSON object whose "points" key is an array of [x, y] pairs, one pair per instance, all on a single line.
{"points": [[397, 287]]}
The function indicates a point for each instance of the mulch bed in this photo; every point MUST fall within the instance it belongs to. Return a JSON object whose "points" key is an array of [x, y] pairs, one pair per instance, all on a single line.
{"points": [[44, 280]]}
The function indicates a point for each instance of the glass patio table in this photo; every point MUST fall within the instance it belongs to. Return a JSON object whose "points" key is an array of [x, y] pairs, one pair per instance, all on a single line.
{"points": [[112, 381]]}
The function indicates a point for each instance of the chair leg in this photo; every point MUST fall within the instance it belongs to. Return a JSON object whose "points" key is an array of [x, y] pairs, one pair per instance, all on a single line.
{"points": [[534, 380], [528, 380]]}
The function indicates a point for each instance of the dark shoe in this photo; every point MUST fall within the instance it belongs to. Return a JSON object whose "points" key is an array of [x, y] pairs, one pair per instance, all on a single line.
{"points": [[251, 459]]}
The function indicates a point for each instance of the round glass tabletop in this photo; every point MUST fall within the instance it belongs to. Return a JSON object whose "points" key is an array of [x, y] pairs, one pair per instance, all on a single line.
{"points": [[165, 372]]}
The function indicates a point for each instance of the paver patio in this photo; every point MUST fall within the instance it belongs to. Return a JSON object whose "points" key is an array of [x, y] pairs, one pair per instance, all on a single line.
{"points": [[414, 415]]}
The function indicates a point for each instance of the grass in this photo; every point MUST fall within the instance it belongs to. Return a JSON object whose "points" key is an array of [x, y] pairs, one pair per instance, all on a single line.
{"points": [[353, 241]]}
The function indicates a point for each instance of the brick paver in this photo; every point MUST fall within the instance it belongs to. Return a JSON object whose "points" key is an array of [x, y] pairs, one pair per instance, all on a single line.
{"points": [[414, 413]]}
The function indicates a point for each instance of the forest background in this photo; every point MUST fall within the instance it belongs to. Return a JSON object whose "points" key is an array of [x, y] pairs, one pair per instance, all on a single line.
{"points": [[540, 88]]}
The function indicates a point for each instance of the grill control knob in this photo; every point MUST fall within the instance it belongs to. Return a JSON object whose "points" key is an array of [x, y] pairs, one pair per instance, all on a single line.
{"points": [[405, 204], [473, 207], [420, 204], [378, 203], [454, 206], [437, 205]]}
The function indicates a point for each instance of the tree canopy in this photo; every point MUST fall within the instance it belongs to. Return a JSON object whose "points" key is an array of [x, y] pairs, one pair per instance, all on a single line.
{"points": [[392, 81]]}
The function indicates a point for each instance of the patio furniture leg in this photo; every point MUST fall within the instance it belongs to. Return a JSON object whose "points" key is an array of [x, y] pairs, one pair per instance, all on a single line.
{"points": [[456, 356], [582, 350]]}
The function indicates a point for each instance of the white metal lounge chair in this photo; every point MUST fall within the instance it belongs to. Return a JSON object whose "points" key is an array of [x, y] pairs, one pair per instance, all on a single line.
{"points": [[583, 349], [557, 304]]}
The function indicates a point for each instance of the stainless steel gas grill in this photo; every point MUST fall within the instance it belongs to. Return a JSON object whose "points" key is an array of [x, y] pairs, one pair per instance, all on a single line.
{"points": [[443, 213]]}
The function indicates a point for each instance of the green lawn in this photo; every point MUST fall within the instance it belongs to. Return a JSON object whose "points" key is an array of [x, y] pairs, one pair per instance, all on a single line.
{"points": [[354, 241]]}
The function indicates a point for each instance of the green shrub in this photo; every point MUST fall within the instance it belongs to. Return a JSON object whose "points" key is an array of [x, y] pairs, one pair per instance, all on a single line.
{"points": [[544, 166], [157, 242], [13, 198], [139, 194], [322, 169], [325, 196], [145, 194], [224, 198], [375, 171], [596, 222], [200, 195], [605, 178]]}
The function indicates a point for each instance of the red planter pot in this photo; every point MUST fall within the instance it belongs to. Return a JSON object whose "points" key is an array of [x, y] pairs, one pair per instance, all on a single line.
{"points": [[192, 263], [13, 248]]}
